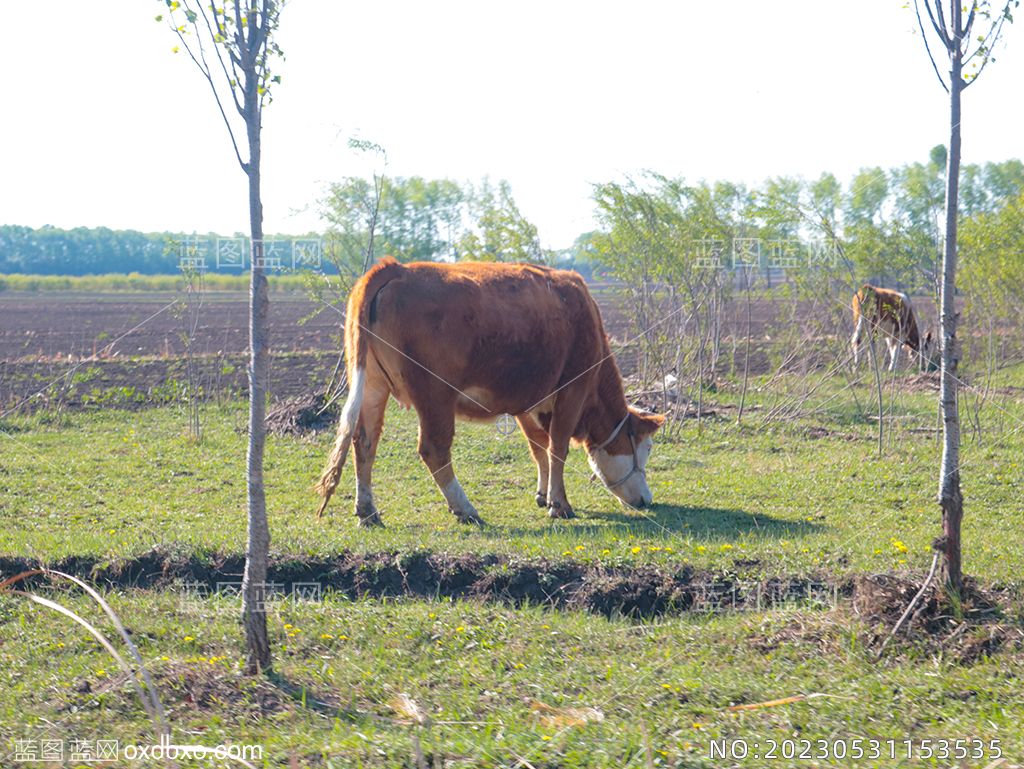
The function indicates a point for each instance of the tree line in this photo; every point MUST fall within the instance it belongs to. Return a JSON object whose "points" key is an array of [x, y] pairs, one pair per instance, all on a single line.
{"points": [[887, 222]]}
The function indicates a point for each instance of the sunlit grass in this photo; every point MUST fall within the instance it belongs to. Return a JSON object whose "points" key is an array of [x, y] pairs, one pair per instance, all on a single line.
{"points": [[797, 496], [492, 683]]}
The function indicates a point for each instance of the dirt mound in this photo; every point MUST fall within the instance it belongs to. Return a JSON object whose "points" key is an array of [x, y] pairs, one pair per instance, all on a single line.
{"points": [[924, 382], [643, 591], [982, 623], [303, 414], [985, 622]]}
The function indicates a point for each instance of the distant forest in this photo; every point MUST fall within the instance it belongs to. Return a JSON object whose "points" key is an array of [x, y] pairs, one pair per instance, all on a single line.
{"points": [[886, 221], [86, 251]]}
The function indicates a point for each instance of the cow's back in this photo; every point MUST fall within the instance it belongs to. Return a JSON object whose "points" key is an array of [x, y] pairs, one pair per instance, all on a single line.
{"points": [[505, 336]]}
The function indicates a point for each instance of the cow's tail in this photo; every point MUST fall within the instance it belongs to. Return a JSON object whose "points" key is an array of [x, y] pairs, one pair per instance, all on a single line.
{"points": [[358, 318]]}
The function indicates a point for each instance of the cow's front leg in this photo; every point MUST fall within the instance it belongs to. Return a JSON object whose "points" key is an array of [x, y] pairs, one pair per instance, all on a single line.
{"points": [[563, 422], [558, 502], [435, 449], [894, 352], [538, 439]]}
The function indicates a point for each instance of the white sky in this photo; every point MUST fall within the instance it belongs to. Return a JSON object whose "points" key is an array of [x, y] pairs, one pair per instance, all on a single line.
{"points": [[103, 125]]}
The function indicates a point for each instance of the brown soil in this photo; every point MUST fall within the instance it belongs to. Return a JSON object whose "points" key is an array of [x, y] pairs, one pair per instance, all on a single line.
{"points": [[80, 325], [989, 622], [986, 621], [303, 414], [607, 590]]}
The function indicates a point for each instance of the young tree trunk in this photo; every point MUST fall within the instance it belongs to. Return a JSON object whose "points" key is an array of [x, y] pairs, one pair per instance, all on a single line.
{"points": [[950, 498], [257, 547]]}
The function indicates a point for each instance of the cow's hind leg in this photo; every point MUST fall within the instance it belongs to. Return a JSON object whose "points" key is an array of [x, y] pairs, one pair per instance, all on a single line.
{"points": [[367, 436], [855, 340], [538, 439], [435, 447]]}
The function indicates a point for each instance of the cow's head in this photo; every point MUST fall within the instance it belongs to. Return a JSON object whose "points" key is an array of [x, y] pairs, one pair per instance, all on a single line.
{"points": [[621, 461], [927, 353]]}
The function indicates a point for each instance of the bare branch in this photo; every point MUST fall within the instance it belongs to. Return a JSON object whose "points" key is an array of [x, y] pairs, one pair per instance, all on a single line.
{"points": [[970, 20], [993, 34], [205, 70], [946, 37], [924, 36], [216, 47], [939, 29]]}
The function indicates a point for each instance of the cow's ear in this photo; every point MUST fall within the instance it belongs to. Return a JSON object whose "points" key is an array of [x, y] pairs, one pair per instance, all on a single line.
{"points": [[644, 423]]}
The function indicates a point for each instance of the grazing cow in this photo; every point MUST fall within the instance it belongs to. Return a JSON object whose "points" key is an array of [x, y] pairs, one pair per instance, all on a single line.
{"points": [[892, 313], [476, 341]]}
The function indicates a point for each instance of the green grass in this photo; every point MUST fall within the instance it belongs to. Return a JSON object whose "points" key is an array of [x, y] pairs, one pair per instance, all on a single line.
{"points": [[116, 483], [478, 671], [807, 495]]}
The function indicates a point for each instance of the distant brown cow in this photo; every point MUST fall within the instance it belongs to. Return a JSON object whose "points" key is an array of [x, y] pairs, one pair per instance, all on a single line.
{"points": [[891, 313], [476, 341]]}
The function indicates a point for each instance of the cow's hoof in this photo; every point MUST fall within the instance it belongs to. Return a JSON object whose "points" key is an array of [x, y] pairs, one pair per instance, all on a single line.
{"points": [[369, 517], [542, 500], [371, 522], [468, 516], [558, 510]]}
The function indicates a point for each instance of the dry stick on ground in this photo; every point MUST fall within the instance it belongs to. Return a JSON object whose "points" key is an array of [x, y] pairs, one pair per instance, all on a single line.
{"points": [[878, 385], [192, 305], [913, 603], [792, 408], [746, 355], [148, 696]]}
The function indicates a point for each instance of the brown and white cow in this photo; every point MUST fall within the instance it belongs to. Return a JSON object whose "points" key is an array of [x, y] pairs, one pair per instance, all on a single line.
{"points": [[891, 313], [476, 341]]}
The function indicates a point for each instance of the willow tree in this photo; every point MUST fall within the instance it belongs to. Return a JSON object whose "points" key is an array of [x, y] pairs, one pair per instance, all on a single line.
{"points": [[232, 45], [966, 37]]}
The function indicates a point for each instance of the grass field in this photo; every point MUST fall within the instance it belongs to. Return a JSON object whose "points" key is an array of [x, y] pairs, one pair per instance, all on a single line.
{"points": [[558, 689], [795, 497], [495, 682]]}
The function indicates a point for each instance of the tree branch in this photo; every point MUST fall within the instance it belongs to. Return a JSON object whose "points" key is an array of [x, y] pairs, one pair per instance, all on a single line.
{"points": [[216, 47], [205, 71], [993, 34], [939, 30], [970, 20], [946, 39], [924, 36]]}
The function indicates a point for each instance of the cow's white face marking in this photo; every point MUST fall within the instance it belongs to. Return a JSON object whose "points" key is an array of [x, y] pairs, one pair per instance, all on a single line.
{"points": [[612, 468]]}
